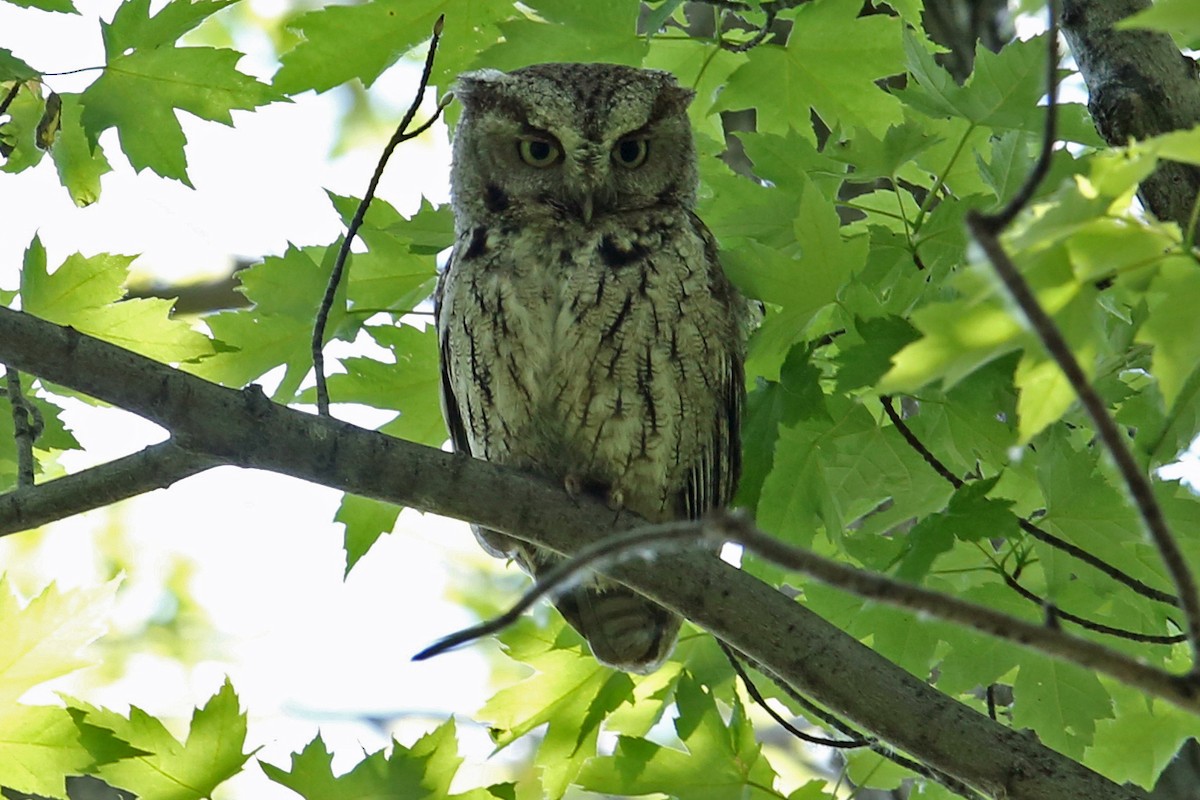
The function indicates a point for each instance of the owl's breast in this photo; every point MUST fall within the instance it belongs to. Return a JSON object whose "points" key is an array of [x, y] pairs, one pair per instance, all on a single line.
{"points": [[592, 352]]}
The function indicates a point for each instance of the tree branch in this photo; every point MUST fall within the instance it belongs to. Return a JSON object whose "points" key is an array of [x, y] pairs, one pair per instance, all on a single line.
{"points": [[156, 467], [784, 637]]}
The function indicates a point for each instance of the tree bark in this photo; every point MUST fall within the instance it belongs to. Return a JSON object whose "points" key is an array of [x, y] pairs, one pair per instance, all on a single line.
{"points": [[831, 667], [1139, 85]]}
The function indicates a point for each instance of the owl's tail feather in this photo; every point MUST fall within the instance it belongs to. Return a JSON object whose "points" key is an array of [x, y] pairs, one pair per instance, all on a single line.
{"points": [[624, 629]]}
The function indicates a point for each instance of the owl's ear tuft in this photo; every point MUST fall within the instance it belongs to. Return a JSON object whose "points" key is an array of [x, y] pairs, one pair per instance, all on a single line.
{"points": [[472, 87], [672, 101]]}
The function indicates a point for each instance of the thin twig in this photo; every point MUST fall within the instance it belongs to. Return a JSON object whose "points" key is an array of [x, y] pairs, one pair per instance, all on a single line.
{"points": [[1033, 530], [402, 134], [606, 551], [916, 444], [1004, 216], [23, 430], [1098, 627], [757, 697], [813, 710], [856, 740], [758, 38], [8, 98]]}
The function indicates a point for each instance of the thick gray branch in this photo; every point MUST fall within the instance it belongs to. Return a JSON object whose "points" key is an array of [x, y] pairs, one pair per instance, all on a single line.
{"points": [[244, 428], [156, 467], [1139, 85]]}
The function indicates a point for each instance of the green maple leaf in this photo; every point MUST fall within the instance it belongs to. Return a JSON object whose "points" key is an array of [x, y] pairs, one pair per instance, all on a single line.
{"points": [[800, 280], [1084, 508], [146, 80], [341, 43], [398, 270], [39, 748], [1002, 92], [42, 640], [79, 164], [970, 516], [13, 68], [286, 291], [1061, 701], [830, 64], [864, 363], [1140, 739], [18, 133], [1178, 18], [83, 293], [721, 761], [40, 745], [172, 770], [62, 6], [132, 27], [365, 520], [1171, 326], [565, 30], [424, 771], [570, 691]]}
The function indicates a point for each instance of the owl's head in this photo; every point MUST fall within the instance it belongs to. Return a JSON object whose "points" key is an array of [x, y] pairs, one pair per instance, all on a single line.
{"points": [[570, 140]]}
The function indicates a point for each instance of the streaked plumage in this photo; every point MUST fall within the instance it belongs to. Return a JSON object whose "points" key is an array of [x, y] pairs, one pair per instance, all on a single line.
{"points": [[587, 331]]}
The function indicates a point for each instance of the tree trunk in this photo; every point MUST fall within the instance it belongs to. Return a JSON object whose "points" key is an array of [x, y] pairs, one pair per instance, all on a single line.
{"points": [[1139, 85]]}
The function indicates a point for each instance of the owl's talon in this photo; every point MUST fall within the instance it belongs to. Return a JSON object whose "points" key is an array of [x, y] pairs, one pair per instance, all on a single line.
{"points": [[616, 502], [574, 486]]}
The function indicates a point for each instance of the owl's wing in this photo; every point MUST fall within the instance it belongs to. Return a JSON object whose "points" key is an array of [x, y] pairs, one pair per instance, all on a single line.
{"points": [[496, 544], [450, 412], [713, 479]]}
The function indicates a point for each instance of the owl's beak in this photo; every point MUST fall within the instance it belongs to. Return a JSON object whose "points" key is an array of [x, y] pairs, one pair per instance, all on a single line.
{"points": [[585, 208]]}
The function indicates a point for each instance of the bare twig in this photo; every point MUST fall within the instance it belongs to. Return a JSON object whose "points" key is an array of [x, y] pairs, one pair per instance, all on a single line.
{"points": [[23, 429], [155, 467], [1181, 690], [606, 551], [759, 36], [1033, 530], [757, 697], [986, 230], [1098, 627], [813, 710], [855, 741], [402, 134], [1004, 216], [916, 444], [10, 96]]}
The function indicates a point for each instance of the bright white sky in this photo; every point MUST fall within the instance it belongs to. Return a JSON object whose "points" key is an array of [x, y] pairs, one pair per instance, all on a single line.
{"points": [[303, 647]]}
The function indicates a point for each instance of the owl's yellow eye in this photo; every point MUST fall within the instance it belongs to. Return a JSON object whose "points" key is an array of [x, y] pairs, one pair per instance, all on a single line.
{"points": [[631, 153], [538, 152]]}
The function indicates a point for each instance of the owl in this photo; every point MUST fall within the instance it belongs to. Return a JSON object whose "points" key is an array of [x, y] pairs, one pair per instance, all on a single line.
{"points": [[587, 332]]}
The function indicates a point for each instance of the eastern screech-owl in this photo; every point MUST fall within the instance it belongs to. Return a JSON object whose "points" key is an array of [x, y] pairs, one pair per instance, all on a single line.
{"points": [[587, 331]]}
